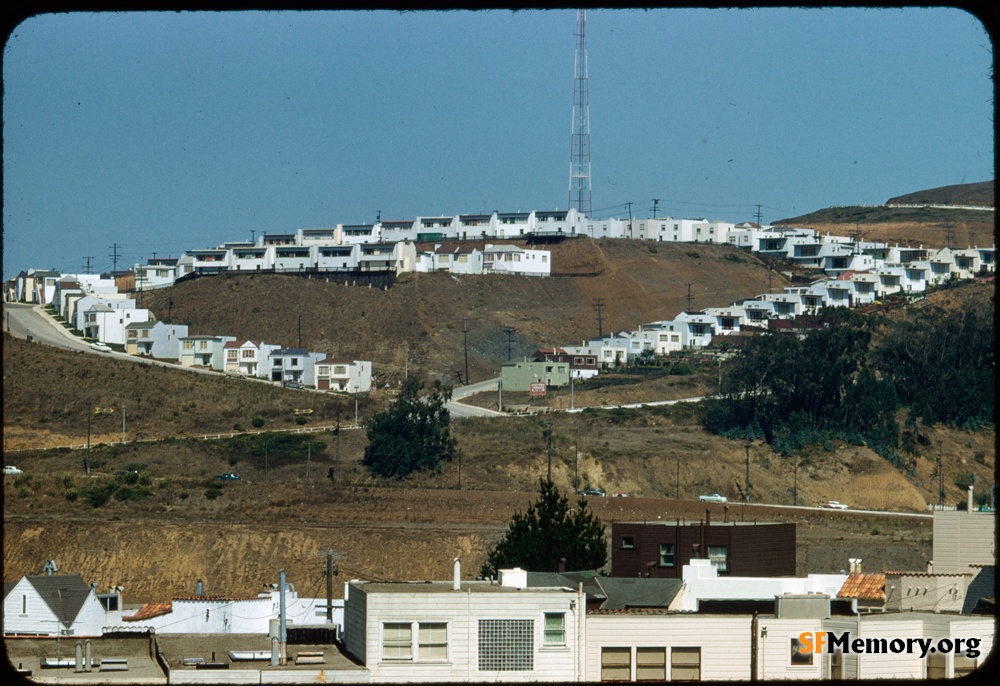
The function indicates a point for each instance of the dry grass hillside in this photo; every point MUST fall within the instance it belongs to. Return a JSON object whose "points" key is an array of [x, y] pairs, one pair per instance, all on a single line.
{"points": [[421, 317], [286, 512]]}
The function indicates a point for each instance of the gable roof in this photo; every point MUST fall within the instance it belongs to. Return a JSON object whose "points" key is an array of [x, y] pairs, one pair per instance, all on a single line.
{"points": [[64, 594], [981, 594]]}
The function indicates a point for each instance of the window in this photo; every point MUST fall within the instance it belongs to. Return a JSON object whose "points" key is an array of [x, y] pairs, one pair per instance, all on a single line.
{"points": [[837, 666], [650, 664], [249, 354], [628, 542], [685, 664], [666, 554], [188, 345], [340, 369], [616, 664], [506, 645], [797, 657], [24, 604], [719, 556], [555, 629], [964, 666], [937, 666], [432, 641], [230, 354], [397, 641]]}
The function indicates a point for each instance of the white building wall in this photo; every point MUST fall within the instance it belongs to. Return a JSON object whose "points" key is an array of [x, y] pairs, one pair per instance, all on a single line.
{"points": [[461, 611], [962, 539], [774, 649], [724, 641]]}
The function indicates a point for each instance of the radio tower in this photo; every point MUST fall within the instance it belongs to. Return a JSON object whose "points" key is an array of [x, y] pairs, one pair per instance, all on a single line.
{"points": [[580, 197]]}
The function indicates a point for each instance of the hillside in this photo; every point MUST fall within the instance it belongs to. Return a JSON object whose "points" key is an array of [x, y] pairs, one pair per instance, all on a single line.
{"points": [[421, 317], [913, 226]]}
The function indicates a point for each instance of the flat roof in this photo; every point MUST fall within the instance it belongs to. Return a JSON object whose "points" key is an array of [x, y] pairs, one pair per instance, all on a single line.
{"points": [[216, 647], [424, 587]]}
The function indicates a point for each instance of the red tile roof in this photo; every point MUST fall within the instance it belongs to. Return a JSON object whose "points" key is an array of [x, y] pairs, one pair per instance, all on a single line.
{"points": [[863, 587], [150, 610]]}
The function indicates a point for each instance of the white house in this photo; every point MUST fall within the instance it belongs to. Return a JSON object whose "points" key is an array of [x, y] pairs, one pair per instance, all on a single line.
{"points": [[158, 272], [155, 339], [249, 358], [107, 323], [344, 374], [510, 259], [204, 351], [52, 605], [294, 365], [466, 631]]}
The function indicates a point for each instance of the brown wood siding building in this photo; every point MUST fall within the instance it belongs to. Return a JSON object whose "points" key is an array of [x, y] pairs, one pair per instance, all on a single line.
{"points": [[660, 549]]}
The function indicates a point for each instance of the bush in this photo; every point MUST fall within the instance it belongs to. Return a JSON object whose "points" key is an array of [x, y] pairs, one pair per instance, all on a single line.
{"points": [[257, 422]]}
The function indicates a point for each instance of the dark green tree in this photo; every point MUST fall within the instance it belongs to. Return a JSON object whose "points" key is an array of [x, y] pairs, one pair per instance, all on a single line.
{"points": [[549, 530], [413, 434]]}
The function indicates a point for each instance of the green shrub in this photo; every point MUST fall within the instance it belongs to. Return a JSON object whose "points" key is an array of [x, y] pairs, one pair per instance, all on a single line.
{"points": [[257, 422], [72, 495]]}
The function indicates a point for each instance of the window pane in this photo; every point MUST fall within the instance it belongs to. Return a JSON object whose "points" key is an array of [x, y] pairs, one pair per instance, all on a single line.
{"points": [[506, 645], [616, 664], [650, 664], [397, 641], [555, 628], [797, 656], [685, 664]]}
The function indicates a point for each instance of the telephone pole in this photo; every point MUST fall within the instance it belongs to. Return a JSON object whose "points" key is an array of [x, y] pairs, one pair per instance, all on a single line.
{"points": [[690, 298], [87, 267], [114, 259], [656, 202], [465, 338], [510, 341], [599, 304]]}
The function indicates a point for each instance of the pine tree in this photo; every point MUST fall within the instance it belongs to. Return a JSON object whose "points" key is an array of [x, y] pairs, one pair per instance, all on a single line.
{"points": [[413, 434], [549, 530]]}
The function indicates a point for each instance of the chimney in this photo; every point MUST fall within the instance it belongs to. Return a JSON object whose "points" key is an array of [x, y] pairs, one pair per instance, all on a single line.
{"points": [[969, 500], [456, 583], [562, 565], [708, 517], [199, 588]]}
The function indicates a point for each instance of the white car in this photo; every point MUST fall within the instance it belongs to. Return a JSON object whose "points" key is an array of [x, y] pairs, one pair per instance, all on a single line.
{"points": [[100, 347], [11, 469], [833, 505], [713, 498]]}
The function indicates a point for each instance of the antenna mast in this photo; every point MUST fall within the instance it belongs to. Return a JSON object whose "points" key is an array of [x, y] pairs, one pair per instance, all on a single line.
{"points": [[580, 197]]}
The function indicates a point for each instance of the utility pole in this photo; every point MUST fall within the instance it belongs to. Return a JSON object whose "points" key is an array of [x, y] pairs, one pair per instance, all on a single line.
{"points": [[309, 451], [87, 267], [758, 215], [465, 339], [300, 330], [690, 298], [510, 341], [599, 304], [795, 484], [678, 479], [548, 436], [629, 220], [114, 259], [770, 273], [940, 479], [336, 432], [656, 202], [746, 491]]}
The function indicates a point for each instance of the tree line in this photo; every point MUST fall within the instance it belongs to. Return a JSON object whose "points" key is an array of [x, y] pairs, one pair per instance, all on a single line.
{"points": [[846, 375]]}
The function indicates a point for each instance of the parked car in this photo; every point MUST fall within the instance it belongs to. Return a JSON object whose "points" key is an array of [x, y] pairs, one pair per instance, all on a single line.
{"points": [[100, 347], [11, 469], [228, 477], [292, 384], [833, 505], [592, 491], [713, 498]]}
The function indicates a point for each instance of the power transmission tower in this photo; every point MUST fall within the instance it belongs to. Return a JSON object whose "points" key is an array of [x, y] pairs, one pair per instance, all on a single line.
{"points": [[599, 304], [580, 196]]}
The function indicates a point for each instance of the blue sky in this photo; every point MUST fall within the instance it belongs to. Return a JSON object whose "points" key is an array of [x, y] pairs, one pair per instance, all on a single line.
{"points": [[160, 132]]}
